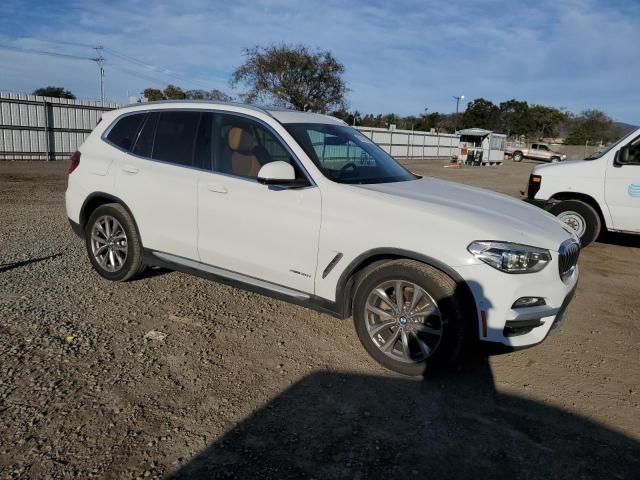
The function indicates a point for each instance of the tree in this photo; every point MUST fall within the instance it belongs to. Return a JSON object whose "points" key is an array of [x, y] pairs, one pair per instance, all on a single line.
{"points": [[481, 113], [219, 95], [171, 92], [292, 76], [153, 94], [546, 120], [515, 117], [214, 94], [592, 126], [57, 92]]}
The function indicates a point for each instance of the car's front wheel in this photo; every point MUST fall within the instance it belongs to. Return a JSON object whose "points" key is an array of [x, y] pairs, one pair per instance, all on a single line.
{"points": [[581, 217], [113, 244], [408, 316]]}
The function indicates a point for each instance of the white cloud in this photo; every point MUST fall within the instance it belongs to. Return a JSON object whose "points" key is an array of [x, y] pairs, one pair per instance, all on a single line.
{"points": [[400, 56]]}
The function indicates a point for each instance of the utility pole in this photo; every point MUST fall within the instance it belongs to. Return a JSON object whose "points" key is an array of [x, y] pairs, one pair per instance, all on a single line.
{"points": [[461, 97], [100, 61]]}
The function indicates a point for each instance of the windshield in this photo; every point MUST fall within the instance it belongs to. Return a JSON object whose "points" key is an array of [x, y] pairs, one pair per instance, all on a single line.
{"points": [[345, 155], [605, 150]]}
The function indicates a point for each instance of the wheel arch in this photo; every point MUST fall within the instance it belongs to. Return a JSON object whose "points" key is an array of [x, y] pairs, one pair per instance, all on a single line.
{"points": [[583, 197], [97, 199], [349, 278]]}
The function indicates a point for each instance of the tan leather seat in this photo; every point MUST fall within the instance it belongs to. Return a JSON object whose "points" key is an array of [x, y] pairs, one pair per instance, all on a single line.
{"points": [[243, 161]]}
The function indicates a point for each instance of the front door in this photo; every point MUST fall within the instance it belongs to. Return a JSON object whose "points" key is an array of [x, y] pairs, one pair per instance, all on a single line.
{"points": [[245, 227], [622, 190]]}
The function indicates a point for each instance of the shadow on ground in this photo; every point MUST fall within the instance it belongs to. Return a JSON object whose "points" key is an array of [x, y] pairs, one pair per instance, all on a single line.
{"points": [[6, 267], [331, 425], [620, 239]]}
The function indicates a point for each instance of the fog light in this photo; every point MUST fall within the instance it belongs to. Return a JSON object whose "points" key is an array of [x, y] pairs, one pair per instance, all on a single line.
{"points": [[528, 302]]}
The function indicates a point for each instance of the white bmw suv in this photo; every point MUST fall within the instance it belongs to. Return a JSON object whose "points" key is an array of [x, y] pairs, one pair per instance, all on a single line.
{"points": [[301, 207]]}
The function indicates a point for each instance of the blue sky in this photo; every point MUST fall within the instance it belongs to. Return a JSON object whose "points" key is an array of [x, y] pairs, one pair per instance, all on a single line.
{"points": [[400, 56]]}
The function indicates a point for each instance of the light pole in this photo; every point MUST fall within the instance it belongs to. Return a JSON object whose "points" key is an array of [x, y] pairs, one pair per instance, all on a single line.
{"points": [[461, 97]]}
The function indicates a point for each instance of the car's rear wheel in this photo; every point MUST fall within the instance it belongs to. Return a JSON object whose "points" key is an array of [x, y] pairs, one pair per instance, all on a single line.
{"points": [[408, 316], [581, 217], [517, 156], [113, 244]]}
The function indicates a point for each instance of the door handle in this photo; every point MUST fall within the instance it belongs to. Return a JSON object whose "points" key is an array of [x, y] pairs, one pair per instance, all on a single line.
{"points": [[130, 169], [216, 188]]}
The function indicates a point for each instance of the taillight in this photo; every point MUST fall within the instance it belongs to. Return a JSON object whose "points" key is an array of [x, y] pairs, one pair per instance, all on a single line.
{"points": [[75, 161]]}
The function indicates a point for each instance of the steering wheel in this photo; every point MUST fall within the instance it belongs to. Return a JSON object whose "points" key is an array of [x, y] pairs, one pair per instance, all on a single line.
{"points": [[345, 167]]}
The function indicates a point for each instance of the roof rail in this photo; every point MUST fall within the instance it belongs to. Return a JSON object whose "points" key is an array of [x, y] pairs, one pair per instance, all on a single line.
{"points": [[211, 102]]}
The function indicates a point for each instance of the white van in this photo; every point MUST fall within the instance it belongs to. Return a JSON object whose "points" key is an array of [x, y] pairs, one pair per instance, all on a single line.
{"points": [[601, 190]]}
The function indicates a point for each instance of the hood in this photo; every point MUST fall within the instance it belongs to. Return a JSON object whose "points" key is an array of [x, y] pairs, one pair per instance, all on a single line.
{"points": [[484, 214], [571, 168]]}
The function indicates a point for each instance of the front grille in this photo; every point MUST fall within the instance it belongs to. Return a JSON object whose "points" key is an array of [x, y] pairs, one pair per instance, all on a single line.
{"points": [[568, 258]]}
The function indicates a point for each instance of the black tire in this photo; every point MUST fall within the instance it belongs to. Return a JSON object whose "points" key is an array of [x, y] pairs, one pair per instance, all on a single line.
{"points": [[585, 213], [517, 156], [132, 266], [440, 287], [554, 159]]}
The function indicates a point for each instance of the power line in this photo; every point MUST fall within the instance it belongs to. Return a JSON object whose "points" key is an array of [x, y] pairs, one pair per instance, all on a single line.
{"points": [[43, 52], [99, 60], [158, 70]]}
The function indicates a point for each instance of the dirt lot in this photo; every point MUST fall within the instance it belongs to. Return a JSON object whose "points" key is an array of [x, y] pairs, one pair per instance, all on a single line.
{"points": [[248, 387]]}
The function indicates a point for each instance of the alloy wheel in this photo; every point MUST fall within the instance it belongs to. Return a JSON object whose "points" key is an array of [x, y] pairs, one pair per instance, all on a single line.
{"points": [[109, 243], [403, 321]]}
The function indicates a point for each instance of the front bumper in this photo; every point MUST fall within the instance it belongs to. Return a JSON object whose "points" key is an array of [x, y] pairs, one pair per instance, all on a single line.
{"points": [[495, 293]]}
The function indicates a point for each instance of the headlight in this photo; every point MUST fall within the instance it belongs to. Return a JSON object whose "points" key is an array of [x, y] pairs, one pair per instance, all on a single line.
{"points": [[510, 257]]}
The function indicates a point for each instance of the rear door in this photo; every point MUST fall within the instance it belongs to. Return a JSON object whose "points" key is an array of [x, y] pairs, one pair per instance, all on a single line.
{"points": [[157, 180], [622, 191]]}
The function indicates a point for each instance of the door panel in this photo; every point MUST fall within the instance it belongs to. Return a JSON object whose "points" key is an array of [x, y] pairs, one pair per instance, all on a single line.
{"points": [[162, 198], [249, 228], [162, 194], [622, 191]]}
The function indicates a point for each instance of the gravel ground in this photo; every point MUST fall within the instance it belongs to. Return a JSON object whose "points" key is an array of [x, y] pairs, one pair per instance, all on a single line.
{"points": [[244, 386]]}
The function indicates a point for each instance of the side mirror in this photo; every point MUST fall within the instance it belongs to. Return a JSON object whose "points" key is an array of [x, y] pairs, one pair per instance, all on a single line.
{"points": [[279, 173], [623, 155]]}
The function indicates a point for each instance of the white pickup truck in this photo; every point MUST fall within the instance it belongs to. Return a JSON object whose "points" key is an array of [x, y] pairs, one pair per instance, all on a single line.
{"points": [[601, 190]]}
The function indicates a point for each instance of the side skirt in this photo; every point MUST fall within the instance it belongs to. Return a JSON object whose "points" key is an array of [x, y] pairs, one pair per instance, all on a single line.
{"points": [[244, 282]]}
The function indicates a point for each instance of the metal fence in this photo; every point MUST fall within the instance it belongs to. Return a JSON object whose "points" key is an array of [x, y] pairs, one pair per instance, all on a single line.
{"points": [[410, 144], [44, 128]]}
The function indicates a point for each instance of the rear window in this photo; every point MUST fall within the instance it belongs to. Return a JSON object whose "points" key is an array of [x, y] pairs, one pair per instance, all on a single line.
{"points": [[123, 133], [144, 143]]}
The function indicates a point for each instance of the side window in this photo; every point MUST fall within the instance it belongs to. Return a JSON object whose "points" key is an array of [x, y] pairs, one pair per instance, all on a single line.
{"points": [[175, 137], [203, 155], [634, 152], [245, 146], [534, 146], [123, 133], [144, 143]]}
